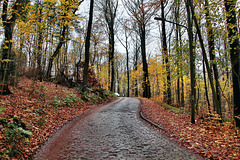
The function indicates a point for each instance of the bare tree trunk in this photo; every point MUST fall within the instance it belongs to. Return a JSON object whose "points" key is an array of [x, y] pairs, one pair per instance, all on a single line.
{"points": [[7, 65], [39, 46], [218, 107], [230, 6], [146, 82], [135, 68], [128, 76], [211, 46], [167, 95], [109, 10], [192, 64], [56, 52], [181, 59], [176, 15], [87, 47], [112, 46], [205, 86]]}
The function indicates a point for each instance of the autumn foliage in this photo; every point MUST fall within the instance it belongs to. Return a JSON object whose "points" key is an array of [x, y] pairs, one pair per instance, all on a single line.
{"points": [[207, 137], [43, 107]]}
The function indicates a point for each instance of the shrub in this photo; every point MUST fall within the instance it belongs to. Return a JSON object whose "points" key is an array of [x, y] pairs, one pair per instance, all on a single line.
{"points": [[69, 99], [65, 101], [56, 103], [41, 122], [16, 135]]}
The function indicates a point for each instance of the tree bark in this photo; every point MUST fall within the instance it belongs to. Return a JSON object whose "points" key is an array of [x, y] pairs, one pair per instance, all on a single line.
{"points": [[167, 96], [211, 46], [61, 40], [192, 63], [110, 10], [176, 14], [146, 83], [181, 73], [128, 76], [135, 68], [87, 47], [112, 46], [230, 6], [7, 64], [39, 46], [56, 52], [216, 103], [205, 86]]}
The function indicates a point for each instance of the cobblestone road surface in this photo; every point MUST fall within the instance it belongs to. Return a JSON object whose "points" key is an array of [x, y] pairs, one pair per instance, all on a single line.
{"points": [[113, 131]]}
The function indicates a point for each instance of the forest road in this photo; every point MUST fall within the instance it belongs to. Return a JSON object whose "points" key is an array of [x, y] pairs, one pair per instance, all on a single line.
{"points": [[113, 131]]}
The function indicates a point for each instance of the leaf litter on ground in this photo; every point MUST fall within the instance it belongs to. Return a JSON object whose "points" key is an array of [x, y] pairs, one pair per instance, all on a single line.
{"points": [[32, 101], [209, 139]]}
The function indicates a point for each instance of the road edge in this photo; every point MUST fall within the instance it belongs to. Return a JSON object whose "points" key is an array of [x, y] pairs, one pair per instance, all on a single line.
{"points": [[63, 132]]}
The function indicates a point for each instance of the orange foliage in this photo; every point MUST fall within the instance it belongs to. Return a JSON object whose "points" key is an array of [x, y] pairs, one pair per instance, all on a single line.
{"points": [[208, 138], [32, 102]]}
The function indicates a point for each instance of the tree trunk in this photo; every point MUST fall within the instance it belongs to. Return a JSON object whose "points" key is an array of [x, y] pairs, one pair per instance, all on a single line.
{"points": [[146, 83], [230, 6], [110, 9], [7, 65], [39, 46], [181, 59], [112, 43], [56, 52], [205, 86], [61, 41], [206, 61], [135, 68], [167, 96], [87, 47], [178, 52], [211, 46], [192, 63], [128, 77]]}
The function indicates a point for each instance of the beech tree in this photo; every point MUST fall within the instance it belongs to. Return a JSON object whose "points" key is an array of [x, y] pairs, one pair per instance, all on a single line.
{"points": [[233, 36], [109, 9], [209, 71], [192, 62], [141, 12], [211, 46], [125, 43], [10, 13], [87, 47], [68, 11], [167, 96]]}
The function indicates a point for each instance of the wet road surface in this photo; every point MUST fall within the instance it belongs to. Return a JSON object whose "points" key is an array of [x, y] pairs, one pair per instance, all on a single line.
{"points": [[113, 131]]}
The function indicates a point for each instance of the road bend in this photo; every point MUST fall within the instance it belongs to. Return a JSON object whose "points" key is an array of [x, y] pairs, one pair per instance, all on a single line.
{"points": [[113, 131]]}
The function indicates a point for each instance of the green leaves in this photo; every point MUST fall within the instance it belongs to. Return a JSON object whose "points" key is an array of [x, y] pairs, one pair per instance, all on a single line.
{"points": [[16, 135], [65, 101], [2, 109]]}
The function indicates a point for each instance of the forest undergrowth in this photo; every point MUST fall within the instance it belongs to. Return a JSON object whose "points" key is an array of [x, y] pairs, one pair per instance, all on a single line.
{"points": [[35, 111], [207, 137]]}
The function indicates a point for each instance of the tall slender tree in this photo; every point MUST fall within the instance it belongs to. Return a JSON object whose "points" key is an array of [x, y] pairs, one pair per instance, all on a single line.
{"points": [[204, 54], [39, 40], [167, 95], [109, 8], [87, 46], [211, 46], [125, 44], [192, 63], [68, 11], [10, 13], [141, 11], [230, 6]]}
